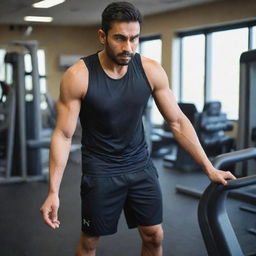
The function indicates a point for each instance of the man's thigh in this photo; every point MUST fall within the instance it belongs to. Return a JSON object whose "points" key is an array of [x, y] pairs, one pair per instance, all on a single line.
{"points": [[143, 206], [103, 199]]}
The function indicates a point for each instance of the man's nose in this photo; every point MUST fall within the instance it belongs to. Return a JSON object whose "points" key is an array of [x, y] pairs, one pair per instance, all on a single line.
{"points": [[127, 46]]}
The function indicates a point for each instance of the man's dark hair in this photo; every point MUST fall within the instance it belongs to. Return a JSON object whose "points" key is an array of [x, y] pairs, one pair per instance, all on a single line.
{"points": [[119, 11]]}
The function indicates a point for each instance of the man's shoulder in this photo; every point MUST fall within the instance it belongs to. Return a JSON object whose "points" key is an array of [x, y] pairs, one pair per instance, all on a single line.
{"points": [[150, 66], [76, 71], [75, 80], [149, 62], [80, 67], [154, 71]]}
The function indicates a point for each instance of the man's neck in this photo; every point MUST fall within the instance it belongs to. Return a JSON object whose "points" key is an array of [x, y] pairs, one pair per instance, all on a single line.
{"points": [[110, 67]]}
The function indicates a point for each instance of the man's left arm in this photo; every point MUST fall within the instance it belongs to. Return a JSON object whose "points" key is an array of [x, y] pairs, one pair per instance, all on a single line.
{"points": [[179, 124]]}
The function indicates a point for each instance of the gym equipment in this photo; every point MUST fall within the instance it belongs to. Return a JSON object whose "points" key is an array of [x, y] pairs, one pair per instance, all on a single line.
{"points": [[25, 162], [52, 110], [210, 126], [162, 142], [229, 158], [7, 124], [147, 124], [247, 110], [19, 161], [246, 124], [179, 158], [219, 236]]}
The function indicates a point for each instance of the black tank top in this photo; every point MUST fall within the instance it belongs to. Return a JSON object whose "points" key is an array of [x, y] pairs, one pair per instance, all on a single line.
{"points": [[113, 138]]}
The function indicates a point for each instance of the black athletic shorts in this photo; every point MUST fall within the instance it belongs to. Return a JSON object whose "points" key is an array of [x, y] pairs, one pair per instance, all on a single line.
{"points": [[104, 197]]}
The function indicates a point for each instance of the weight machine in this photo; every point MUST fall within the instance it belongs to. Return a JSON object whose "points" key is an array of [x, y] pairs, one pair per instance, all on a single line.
{"points": [[21, 124]]}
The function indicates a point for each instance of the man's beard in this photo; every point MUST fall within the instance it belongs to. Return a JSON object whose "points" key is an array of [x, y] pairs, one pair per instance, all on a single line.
{"points": [[114, 58]]}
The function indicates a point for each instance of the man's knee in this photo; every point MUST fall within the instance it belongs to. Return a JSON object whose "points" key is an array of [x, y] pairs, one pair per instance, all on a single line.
{"points": [[152, 235], [88, 243]]}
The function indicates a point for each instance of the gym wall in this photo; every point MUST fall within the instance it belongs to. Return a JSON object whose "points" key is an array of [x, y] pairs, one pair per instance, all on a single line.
{"points": [[58, 40], [166, 24]]}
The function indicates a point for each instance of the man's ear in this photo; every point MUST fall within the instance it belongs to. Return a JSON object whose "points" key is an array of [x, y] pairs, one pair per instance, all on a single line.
{"points": [[102, 36]]}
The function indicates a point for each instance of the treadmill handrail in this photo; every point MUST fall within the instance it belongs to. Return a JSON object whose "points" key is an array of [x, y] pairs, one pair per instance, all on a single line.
{"points": [[219, 236], [234, 157]]}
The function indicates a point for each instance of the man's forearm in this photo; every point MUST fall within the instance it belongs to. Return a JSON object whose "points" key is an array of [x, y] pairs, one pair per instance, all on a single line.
{"points": [[186, 136], [59, 152]]}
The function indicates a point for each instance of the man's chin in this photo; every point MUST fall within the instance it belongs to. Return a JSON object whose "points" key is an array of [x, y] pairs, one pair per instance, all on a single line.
{"points": [[122, 63]]}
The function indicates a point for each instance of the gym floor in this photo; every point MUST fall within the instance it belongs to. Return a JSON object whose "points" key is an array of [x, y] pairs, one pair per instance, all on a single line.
{"points": [[23, 232]]}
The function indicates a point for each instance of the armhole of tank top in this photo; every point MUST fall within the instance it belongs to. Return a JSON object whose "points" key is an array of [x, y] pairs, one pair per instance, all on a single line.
{"points": [[138, 57], [86, 63]]}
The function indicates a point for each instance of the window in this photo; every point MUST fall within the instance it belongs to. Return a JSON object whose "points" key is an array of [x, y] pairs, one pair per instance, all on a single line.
{"points": [[2, 65], [225, 68], [41, 70], [152, 48], [42, 75], [6, 72], [28, 70], [209, 64], [5, 69], [193, 70], [254, 37]]}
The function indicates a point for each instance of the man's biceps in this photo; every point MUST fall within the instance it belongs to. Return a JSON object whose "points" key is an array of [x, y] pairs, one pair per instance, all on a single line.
{"points": [[70, 108]]}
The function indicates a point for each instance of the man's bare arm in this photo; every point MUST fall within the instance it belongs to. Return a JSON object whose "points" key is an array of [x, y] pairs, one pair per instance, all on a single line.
{"points": [[73, 87], [179, 124]]}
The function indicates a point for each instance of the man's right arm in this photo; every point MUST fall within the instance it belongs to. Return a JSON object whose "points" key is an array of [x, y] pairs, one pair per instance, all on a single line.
{"points": [[73, 88]]}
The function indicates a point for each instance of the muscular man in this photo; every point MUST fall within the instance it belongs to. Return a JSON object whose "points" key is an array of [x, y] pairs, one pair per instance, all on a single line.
{"points": [[109, 90]]}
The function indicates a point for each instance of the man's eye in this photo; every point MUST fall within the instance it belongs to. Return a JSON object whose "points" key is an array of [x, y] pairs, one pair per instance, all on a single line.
{"points": [[134, 39], [119, 39]]}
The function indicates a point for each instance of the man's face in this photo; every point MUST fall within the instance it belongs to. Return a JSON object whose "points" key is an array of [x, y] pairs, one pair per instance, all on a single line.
{"points": [[121, 41]]}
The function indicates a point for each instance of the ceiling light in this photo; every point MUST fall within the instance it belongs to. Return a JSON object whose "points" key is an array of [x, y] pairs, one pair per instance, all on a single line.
{"points": [[38, 19], [47, 3]]}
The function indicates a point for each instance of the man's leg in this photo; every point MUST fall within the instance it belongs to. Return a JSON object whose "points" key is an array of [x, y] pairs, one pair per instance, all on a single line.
{"points": [[152, 237], [102, 203], [87, 245]]}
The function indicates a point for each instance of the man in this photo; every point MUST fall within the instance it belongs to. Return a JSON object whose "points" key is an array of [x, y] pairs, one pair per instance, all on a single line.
{"points": [[109, 90]]}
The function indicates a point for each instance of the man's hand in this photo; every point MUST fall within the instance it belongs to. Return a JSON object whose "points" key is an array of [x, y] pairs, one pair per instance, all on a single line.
{"points": [[220, 176], [49, 211]]}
